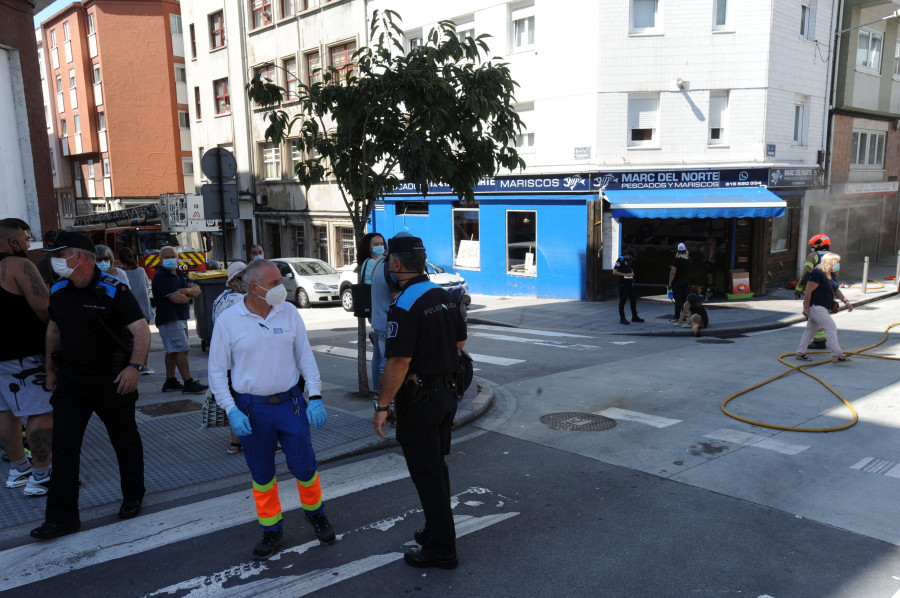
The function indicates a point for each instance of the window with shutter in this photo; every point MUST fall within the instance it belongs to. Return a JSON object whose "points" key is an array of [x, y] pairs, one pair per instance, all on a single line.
{"points": [[718, 108], [643, 119]]}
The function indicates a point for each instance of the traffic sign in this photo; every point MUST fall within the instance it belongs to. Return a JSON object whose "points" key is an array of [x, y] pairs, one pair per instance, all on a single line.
{"points": [[219, 165], [212, 201]]}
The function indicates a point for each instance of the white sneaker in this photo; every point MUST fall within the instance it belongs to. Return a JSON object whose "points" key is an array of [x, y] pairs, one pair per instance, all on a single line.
{"points": [[18, 478], [35, 488]]}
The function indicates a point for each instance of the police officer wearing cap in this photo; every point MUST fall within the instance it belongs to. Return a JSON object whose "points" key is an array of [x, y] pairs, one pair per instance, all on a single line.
{"points": [[97, 341], [424, 332], [624, 272]]}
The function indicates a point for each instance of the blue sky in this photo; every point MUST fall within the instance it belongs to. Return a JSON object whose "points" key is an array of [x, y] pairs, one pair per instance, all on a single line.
{"points": [[51, 10]]}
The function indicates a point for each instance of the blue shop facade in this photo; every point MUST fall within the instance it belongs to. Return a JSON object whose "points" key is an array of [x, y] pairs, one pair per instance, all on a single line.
{"points": [[558, 236]]}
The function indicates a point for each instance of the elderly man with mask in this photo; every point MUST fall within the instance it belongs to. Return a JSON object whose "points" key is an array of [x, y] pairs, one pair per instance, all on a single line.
{"points": [[264, 344], [173, 291]]}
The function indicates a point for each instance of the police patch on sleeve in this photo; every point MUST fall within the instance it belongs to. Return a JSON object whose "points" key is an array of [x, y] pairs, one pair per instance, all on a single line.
{"points": [[392, 329]]}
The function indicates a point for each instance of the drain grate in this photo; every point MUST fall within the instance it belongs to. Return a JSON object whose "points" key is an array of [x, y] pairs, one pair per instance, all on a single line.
{"points": [[715, 341], [169, 408], [354, 329], [577, 422]]}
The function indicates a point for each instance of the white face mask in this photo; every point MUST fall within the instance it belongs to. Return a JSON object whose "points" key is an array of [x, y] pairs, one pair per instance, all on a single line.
{"points": [[275, 296], [60, 265]]}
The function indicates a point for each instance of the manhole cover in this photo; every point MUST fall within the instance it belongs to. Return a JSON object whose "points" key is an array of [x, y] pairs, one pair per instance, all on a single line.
{"points": [[577, 422], [715, 341], [182, 406]]}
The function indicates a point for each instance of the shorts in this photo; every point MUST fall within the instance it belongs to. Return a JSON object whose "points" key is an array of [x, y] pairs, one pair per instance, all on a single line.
{"points": [[22, 386], [174, 336]]}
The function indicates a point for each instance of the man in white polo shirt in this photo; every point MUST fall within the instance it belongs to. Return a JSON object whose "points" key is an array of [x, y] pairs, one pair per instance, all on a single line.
{"points": [[264, 344]]}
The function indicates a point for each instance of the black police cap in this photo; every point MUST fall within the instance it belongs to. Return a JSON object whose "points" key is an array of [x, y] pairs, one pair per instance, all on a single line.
{"points": [[66, 239], [405, 244]]}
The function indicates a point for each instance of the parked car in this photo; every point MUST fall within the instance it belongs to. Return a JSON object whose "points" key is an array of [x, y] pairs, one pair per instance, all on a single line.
{"points": [[309, 281], [454, 283]]}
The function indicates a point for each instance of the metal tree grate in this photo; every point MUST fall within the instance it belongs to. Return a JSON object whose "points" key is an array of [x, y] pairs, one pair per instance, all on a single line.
{"points": [[577, 422], [181, 406]]}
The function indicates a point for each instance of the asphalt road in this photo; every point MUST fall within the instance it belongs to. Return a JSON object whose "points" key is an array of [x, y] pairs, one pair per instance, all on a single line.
{"points": [[676, 499]]}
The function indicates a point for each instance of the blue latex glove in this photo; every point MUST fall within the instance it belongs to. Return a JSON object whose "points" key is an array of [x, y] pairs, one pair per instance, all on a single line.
{"points": [[315, 412], [239, 422]]}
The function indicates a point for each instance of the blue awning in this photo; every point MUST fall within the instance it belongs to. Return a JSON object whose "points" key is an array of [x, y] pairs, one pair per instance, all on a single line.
{"points": [[746, 202]]}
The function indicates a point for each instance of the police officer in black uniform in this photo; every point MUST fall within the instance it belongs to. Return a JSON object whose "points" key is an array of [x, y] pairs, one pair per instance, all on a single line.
{"points": [[624, 271], [424, 332], [97, 340]]}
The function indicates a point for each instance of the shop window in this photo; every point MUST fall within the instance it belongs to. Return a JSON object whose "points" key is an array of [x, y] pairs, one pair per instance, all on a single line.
{"points": [[781, 230], [466, 238], [412, 208], [521, 242]]}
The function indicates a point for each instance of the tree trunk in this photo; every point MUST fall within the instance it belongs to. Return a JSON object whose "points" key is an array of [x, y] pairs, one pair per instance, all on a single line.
{"points": [[361, 341]]}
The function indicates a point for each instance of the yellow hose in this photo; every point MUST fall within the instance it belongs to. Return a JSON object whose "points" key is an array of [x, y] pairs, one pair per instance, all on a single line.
{"points": [[802, 369], [859, 286]]}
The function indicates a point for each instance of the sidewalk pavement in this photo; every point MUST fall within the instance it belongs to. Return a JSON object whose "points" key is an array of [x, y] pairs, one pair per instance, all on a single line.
{"points": [[181, 459], [776, 309]]}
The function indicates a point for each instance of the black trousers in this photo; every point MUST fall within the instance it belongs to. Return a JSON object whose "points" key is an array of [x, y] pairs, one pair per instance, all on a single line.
{"points": [[423, 431], [626, 293], [77, 397], [679, 293]]}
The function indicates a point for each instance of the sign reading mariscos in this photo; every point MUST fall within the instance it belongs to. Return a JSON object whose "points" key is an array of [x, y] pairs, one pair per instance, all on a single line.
{"points": [[593, 182]]}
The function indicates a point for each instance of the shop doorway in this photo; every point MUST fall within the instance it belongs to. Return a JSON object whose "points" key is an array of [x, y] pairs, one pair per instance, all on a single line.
{"points": [[656, 239]]}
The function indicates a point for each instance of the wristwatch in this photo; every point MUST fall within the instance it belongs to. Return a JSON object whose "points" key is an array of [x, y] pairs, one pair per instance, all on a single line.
{"points": [[139, 367], [381, 409]]}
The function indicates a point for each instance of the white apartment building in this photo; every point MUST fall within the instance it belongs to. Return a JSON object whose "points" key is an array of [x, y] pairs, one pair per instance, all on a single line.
{"points": [[646, 110], [227, 42]]}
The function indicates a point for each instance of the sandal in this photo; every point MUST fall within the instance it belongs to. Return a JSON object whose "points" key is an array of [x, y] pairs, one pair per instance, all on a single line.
{"points": [[803, 357], [234, 447], [841, 359]]}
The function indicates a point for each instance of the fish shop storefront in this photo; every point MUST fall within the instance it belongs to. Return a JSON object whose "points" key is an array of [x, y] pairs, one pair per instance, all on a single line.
{"points": [[525, 235]]}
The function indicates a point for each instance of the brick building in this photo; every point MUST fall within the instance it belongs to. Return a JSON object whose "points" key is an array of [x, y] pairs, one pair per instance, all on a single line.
{"points": [[119, 108]]}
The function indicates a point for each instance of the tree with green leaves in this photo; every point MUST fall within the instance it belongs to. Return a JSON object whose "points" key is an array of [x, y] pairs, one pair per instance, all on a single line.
{"points": [[440, 113]]}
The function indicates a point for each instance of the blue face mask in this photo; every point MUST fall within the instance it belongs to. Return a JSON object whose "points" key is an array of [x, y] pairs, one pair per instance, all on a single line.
{"points": [[170, 263], [259, 257], [378, 250], [103, 265]]}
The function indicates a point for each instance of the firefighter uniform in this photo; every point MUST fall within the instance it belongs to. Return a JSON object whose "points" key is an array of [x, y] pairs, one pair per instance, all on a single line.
{"points": [[270, 361], [92, 325], [424, 324]]}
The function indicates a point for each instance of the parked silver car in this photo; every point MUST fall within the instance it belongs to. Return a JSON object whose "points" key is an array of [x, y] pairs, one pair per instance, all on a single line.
{"points": [[309, 281], [450, 281]]}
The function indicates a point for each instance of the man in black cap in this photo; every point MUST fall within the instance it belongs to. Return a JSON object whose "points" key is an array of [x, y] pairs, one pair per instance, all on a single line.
{"points": [[97, 341], [624, 271], [425, 330]]}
